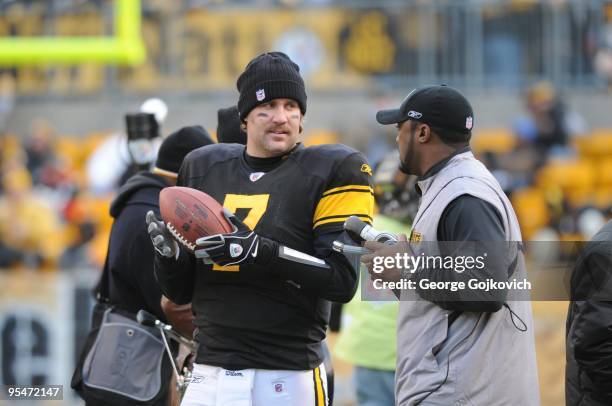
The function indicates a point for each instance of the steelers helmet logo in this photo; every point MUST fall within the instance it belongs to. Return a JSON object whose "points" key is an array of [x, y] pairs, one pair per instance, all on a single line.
{"points": [[365, 168]]}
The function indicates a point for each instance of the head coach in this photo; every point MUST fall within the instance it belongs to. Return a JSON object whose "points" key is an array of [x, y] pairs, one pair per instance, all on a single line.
{"points": [[464, 347]]}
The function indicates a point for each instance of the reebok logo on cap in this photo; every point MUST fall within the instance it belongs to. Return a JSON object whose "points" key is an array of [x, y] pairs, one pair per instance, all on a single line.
{"points": [[414, 114]]}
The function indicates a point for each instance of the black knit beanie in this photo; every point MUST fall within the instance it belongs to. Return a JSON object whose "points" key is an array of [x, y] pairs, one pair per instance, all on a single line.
{"points": [[270, 76], [228, 127], [177, 145]]}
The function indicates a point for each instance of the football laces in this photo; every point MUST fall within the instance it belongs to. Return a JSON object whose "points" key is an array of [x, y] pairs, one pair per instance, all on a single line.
{"points": [[179, 237]]}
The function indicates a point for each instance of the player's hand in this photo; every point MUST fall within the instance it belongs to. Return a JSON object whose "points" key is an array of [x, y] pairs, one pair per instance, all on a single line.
{"points": [[239, 246], [161, 238]]}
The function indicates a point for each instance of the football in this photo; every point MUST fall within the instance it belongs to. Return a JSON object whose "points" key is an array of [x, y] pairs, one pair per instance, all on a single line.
{"points": [[190, 214]]}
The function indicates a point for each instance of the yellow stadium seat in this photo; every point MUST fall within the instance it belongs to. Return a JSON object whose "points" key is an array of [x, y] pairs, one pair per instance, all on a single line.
{"points": [[597, 144], [319, 137], [68, 148], [101, 207], [567, 175], [604, 172], [92, 141], [10, 146], [531, 209], [571, 237], [602, 197], [579, 197], [498, 140]]}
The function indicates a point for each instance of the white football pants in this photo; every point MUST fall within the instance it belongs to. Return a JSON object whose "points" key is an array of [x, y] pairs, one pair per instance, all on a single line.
{"points": [[215, 386]]}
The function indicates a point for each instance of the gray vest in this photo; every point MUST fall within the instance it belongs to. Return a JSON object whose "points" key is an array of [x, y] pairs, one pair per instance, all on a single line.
{"points": [[482, 358]]}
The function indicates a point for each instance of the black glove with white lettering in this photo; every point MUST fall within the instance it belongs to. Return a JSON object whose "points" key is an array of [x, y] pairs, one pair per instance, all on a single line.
{"points": [[237, 247]]}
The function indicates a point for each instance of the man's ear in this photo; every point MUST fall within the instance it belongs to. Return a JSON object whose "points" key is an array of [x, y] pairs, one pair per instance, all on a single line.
{"points": [[301, 124], [423, 133]]}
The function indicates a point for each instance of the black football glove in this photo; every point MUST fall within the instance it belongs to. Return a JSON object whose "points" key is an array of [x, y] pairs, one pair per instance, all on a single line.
{"points": [[237, 247], [161, 238]]}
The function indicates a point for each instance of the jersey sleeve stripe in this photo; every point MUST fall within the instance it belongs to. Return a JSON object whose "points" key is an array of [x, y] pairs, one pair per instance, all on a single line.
{"points": [[340, 206], [341, 219], [360, 188]]}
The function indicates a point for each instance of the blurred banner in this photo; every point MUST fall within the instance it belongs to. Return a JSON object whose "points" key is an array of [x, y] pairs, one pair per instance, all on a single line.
{"points": [[44, 319], [205, 48]]}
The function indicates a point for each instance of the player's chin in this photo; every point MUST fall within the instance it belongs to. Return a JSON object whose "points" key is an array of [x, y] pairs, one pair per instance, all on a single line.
{"points": [[279, 145]]}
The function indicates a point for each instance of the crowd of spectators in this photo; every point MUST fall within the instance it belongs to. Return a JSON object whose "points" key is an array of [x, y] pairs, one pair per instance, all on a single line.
{"points": [[554, 168], [48, 217]]}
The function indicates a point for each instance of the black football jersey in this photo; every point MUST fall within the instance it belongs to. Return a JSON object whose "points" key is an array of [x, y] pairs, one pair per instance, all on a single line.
{"points": [[247, 317]]}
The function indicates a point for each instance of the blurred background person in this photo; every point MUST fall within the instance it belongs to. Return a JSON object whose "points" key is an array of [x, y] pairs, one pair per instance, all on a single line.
{"points": [[129, 264], [29, 226], [229, 127], [123, 154], [549, 125], [41, 159], [130, 253]]}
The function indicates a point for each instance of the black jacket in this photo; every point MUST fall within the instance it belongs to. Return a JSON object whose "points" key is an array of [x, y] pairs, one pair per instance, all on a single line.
{"points": [[588, 373], [130, 253]]}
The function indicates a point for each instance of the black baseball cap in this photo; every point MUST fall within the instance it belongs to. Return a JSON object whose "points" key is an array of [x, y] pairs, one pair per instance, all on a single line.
{"points": [[438, 105]]}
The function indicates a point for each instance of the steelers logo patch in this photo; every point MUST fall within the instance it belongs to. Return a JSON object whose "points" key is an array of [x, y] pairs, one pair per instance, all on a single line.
{"points": [[365, 168]]}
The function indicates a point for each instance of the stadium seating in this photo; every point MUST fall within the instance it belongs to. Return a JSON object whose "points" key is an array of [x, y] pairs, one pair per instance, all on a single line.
{"points": [[498, 140]]}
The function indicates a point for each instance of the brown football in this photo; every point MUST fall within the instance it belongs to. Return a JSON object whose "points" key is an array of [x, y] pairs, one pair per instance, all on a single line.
{"points": [[190, 214]]}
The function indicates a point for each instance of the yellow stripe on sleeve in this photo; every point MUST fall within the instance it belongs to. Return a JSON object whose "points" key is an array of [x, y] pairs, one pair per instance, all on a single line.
{"points": [[364, 188], [339, 203]]}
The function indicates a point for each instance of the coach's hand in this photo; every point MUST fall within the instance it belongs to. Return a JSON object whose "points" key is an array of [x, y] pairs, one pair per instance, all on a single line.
{"points": [[161, 238], [237, 247], [382, 250]]}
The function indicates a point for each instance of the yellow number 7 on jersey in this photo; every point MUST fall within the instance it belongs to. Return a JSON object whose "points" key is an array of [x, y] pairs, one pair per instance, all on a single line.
{"points": [[257, 205]]}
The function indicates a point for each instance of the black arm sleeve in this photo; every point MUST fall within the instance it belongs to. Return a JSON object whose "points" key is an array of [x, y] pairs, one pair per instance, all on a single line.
{"points": [[141, 267], [176, 277], [591, 328], [337, 281], [468, 218], [472, 227]]}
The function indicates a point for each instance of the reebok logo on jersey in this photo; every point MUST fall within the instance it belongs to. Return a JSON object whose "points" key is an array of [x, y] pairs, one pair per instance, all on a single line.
{"points": [[255, 176], [235, 250], [260, 94], [233, 373], [197, 379]]}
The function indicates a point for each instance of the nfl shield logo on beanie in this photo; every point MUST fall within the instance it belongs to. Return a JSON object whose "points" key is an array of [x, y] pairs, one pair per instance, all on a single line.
{"points": [[260, 94], [469, 123]]}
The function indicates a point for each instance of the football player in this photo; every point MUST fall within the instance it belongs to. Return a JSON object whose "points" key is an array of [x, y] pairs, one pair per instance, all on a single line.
{"points": [[261, 294]]}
